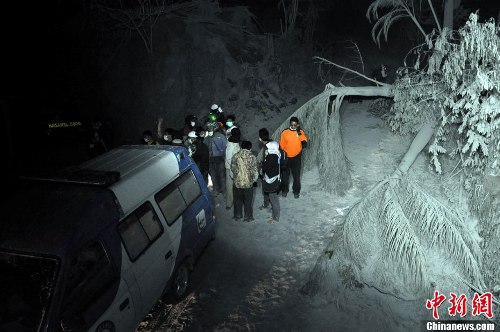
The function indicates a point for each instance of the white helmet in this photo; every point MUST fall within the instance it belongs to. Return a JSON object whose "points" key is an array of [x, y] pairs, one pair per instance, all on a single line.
{"points": [[192, 134], [216, 107]]}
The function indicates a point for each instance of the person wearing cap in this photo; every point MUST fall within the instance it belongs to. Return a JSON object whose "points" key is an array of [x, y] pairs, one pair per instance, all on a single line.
{"points": [[216, 143], [232, 147], [199, 152], [245, 174], [292, 141], [177, 140], [172, 137], [271, 179]]}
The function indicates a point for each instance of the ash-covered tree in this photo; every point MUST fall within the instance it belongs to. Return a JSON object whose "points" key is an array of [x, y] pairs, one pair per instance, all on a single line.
{"points": [[449, 97], [455, 84]]}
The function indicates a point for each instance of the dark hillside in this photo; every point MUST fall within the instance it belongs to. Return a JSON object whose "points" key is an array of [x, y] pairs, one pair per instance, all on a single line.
{"points": [[198, 62]]}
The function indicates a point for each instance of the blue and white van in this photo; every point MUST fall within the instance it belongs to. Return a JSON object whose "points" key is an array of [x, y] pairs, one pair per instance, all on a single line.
{"points": [[95, 248]]}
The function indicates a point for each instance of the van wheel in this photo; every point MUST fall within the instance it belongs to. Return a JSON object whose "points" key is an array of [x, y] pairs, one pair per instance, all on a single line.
{"points": [[181, 282]]}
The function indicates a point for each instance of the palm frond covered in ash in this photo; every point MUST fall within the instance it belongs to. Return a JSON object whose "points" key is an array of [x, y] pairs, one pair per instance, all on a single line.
{"points": [[399, 221]]}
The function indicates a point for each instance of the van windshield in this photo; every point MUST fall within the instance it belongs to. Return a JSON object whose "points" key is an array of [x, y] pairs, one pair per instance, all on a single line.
{"points": [[26, 284]]}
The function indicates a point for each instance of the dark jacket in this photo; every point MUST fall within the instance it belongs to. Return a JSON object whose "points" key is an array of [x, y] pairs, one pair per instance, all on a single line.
{"points": [[271, 169], [201, 155], [216, 144]]}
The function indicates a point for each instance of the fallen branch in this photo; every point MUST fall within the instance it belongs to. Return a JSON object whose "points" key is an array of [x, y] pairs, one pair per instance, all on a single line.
{"points": [[323, 60]]}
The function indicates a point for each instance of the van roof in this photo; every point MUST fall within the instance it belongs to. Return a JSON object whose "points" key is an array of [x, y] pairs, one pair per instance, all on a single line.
{"points": [[143, 171], [51, 216]]}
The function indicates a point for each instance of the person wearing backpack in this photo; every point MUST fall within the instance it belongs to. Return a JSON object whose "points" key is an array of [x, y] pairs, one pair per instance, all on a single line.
{"points": [[292, 141], [264, 139], [271, 179]]}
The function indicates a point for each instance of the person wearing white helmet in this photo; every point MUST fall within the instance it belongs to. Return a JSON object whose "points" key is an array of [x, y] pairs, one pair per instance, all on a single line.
{"points": [[216, 108], [217, 115], [199, 152], [189, 142]]}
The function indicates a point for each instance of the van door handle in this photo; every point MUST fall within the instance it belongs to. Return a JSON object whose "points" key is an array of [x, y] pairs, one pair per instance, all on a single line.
{"points": [[169, 253], [124, 304]]}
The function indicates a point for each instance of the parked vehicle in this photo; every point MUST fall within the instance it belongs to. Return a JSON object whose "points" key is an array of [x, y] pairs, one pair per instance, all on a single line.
{"points": [[95, 248]]}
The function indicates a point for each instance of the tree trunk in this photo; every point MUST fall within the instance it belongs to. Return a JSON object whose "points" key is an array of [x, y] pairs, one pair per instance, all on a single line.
{"points": [[419, 142], [449, 7], [365, 91]]}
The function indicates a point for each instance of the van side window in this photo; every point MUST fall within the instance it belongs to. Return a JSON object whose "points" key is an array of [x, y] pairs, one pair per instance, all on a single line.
{"points": [[177, 196], [189, 187], [138, 230], [90, 274], [171, 203]]}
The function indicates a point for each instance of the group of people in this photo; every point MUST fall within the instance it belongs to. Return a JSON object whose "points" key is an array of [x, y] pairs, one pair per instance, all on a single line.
{"points": [[274, 167], [220, 153]]}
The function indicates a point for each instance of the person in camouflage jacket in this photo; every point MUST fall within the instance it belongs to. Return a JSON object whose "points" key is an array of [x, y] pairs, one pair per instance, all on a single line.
{"points": [[245, 173]]}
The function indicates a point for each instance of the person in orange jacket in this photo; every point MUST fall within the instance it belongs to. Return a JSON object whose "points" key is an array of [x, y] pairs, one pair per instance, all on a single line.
{"points": [[292, 141]]}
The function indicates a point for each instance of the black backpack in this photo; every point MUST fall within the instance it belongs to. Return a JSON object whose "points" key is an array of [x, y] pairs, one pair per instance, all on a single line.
{"points": [[283, 159]]}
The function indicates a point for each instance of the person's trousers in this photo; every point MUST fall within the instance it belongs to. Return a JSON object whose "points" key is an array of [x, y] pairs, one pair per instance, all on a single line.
{"points": [[243, 199], [217, 170], [204, 174], [293, 166], [273, 199], [229, 189]]}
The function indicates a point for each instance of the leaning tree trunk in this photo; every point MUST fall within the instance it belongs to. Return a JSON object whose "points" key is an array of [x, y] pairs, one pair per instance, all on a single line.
{"points": [[320, 119]]}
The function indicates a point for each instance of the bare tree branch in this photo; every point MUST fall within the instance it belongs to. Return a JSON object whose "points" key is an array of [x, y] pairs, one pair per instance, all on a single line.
{"points": [[325, 61], [434, 14], [142, 17]]}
